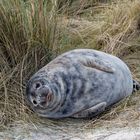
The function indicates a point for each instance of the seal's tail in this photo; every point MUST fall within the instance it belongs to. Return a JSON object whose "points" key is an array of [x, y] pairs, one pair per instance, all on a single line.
{"points": [[136, 86]]}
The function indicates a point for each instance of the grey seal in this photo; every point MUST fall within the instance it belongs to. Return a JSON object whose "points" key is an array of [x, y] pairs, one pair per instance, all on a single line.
{"points": [[80, 83]]}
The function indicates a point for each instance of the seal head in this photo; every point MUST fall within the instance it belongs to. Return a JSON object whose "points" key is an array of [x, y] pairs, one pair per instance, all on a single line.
{"points": [[40, 96]]}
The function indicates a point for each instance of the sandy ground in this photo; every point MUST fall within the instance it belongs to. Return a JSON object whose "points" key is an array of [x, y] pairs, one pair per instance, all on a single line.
{"points": [[69, 130]]}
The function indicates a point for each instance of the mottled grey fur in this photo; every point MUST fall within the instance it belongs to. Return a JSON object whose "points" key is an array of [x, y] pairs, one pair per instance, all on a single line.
{"points": [[80, 83]]}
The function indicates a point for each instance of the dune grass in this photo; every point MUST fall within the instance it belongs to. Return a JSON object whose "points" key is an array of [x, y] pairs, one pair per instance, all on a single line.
{"points": [[32, 33], [28, 37]]}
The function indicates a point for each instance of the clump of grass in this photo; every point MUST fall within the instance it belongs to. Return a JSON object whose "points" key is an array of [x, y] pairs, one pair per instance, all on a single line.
{"points": [[113, 26], [27, 42], [77, 7], [121, 27]]}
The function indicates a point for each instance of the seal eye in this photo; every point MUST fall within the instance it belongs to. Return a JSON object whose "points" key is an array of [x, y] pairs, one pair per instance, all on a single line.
{"points": [[37, 85], [34, 102]]}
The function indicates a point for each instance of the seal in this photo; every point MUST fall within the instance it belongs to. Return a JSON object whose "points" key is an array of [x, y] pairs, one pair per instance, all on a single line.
{"points": [[80, 83]]}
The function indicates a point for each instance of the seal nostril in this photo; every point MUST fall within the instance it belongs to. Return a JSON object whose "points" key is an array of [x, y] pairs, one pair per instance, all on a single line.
{"points": [[34, 102]]}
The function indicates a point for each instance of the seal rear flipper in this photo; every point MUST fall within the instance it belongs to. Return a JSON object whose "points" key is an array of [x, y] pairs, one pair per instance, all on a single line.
{"points": [[93, 111], [98, 64], [136, 86]]}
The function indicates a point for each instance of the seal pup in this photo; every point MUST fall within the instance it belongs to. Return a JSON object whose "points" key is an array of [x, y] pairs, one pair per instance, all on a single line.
{"points": [[80, 83]]}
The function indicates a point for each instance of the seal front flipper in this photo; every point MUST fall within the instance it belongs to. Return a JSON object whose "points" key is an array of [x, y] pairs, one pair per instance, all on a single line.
{"points": [[93, 111], [98, 64]]}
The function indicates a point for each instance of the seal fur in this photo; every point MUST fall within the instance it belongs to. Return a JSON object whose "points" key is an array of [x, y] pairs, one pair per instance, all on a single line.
{"points": [[79, 83]]}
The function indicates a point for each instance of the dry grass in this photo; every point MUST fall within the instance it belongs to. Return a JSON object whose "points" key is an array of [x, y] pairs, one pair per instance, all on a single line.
{"points": [[109, 27], [27, 42], [31, 34]]}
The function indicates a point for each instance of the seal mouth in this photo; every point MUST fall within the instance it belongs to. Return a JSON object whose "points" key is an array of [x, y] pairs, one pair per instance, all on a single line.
{"points": [[45, 100]]}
